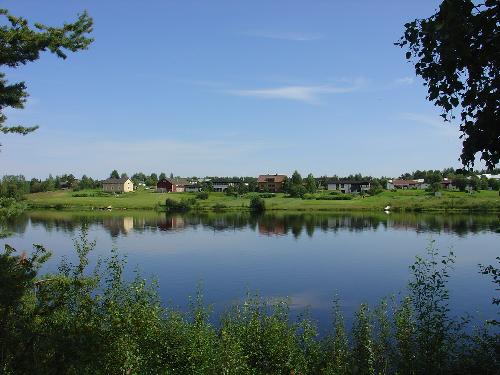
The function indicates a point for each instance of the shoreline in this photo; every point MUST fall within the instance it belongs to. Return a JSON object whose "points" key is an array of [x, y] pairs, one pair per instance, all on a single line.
{"points": [[399, 201]]}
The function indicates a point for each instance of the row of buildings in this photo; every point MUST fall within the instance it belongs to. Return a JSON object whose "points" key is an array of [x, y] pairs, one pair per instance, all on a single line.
{"points": [[446, 183], [270, 183]]}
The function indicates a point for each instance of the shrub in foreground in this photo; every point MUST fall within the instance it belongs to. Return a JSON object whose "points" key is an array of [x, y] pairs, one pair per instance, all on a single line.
{"points": [[81, 321]]}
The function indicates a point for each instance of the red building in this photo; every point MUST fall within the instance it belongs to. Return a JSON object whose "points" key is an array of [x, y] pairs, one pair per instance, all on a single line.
{"points": [[170, 185]]}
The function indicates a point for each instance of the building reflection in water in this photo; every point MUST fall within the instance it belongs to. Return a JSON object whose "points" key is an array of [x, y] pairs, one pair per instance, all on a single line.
{"points": [[269, 224], [118, 225], [172, 223], [269, 229]]}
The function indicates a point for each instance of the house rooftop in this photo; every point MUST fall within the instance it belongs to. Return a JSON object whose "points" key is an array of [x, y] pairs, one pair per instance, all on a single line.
{"points": [[120, 180], [275, 177], [362, 182], [177, 181], [332, 180], [399, 182], [222, 182]]}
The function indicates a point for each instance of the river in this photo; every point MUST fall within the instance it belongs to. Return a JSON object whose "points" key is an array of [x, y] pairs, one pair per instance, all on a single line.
{"points": [[308, 258]]}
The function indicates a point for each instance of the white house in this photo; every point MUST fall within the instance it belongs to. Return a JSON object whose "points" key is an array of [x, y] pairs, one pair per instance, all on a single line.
{"points": [[490, 176], [407, 184], [118, 185], [192, 188], [222, 186], [347, 186]]}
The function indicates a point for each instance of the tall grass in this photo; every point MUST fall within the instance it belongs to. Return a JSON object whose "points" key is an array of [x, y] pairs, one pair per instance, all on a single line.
{"points": [[91, 321]]}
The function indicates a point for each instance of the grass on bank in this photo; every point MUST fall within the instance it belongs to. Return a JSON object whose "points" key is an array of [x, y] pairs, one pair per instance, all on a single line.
{"points": [[81, 321], [400, 200]]}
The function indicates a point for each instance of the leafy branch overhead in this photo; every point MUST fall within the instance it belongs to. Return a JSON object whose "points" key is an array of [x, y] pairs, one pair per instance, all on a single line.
{"points": [[456, 53], [21, 44]]}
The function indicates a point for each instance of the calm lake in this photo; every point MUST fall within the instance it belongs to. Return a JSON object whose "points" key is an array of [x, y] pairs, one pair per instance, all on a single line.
{"points": [[310, 258]]}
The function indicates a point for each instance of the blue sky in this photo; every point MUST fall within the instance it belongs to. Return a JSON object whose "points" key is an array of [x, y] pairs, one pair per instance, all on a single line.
{"points": [[229, 88]]}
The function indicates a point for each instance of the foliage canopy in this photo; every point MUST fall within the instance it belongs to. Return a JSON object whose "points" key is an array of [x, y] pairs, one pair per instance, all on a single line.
{"points": [[455, 51], [20, 44]]}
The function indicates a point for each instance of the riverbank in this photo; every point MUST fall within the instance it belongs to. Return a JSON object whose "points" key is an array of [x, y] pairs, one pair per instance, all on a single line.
{"points": [[401, 200]]}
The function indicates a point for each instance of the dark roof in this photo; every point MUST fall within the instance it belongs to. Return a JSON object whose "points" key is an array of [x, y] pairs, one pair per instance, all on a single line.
{"points": [[363, 182], [275, 177], [176, 181], [226, 182], [121, 180], [400, 182]]}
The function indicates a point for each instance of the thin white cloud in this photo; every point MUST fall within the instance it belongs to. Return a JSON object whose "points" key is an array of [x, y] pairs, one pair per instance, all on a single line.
{"points": [[404, 81], [44, 152], [436, 122], [307, 94], [421, 118], [292, 36]]}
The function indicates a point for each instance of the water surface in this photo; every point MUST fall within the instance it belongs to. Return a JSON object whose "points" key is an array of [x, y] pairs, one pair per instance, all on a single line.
{"points": [[309, 258]]}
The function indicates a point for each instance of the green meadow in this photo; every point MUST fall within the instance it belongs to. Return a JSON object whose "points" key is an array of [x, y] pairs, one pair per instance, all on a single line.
{"points": [[401, 200]]}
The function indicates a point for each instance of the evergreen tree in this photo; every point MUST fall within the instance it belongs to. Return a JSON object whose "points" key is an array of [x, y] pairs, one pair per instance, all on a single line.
{"points": [[21, 44], [310, 183], [296, 178]]}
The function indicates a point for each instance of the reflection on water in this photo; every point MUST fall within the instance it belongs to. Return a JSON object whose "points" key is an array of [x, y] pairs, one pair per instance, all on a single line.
{"points": [[306, 257], [271, 224]]}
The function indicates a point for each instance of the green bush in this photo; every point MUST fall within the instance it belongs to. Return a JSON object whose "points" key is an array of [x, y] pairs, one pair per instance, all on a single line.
{"points": [[257, 204], [267, 195], [98, 193], [80, 195], [343, 197], [9, 208], [310, 196], [297, 191], [183, 205], [203, 195], [83, 321]]}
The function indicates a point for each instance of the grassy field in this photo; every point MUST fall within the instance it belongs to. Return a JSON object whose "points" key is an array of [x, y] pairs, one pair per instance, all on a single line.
{"points": [[401, 200]]}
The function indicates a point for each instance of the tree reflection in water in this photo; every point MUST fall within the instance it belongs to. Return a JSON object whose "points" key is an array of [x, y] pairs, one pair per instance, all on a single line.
{"points": [[120, 223]]}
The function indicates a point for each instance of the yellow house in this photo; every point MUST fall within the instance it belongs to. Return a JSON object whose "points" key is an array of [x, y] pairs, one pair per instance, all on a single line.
{"points": [[118, 185]]}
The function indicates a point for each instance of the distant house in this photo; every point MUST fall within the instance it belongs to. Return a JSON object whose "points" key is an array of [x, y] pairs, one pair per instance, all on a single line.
{"points": [[222, 186], [447, 184], [271, 182], [349, 186], [407, 184], [490, 176], [191, 188], [171, 185], [118, 185]]}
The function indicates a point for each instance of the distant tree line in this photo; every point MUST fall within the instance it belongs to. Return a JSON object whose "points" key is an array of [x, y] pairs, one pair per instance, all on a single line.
{"points": [[460, 178], [15, 186]]}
